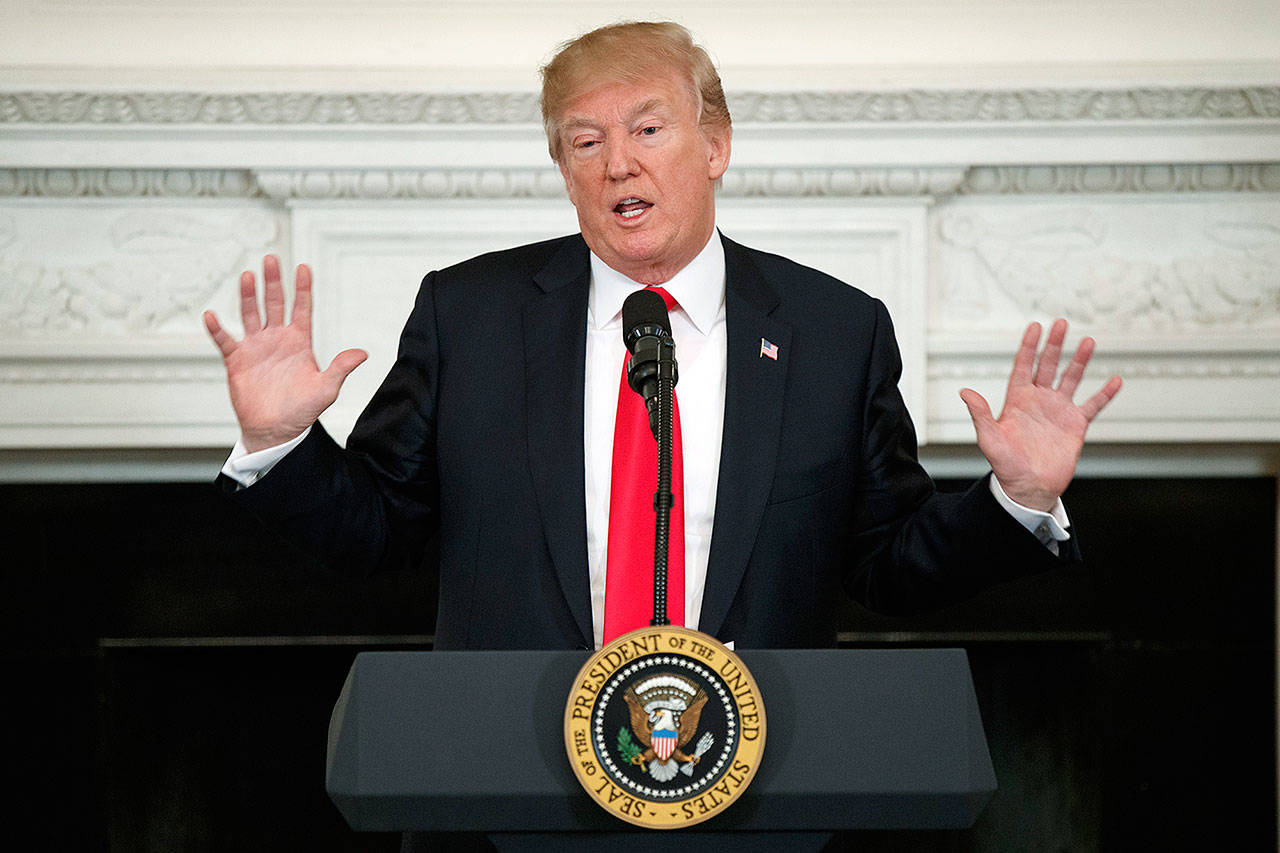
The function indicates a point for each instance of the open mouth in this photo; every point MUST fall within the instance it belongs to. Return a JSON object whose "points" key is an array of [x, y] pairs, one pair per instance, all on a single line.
{"points": [[630, 208]]}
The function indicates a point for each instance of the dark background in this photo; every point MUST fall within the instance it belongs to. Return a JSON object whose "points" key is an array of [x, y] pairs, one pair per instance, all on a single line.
{"points": [[170, 668]]}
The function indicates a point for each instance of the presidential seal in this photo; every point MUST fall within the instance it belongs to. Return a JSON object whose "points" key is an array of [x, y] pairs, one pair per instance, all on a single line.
{"points": [[664, 727]]}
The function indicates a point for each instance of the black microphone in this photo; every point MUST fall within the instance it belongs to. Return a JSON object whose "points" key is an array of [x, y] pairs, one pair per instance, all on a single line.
{"points": [[646, 330]]}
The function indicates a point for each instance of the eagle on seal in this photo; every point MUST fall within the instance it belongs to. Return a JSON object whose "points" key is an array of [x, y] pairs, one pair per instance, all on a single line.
{"points": [[663, 732]]}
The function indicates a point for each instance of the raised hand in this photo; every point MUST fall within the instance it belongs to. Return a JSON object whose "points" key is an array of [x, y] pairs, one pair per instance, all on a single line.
{"points": [[277, 388], [1034, 445]]}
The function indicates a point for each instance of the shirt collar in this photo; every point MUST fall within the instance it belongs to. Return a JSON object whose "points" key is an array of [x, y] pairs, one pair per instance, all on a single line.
{"points": [[698, 288]]}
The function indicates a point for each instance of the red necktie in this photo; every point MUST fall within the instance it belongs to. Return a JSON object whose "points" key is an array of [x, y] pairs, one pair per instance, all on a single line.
{"points": [[628, 596]]}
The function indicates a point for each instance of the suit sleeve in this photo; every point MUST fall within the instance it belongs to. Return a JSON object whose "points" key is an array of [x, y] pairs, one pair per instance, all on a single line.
{"points": [[914, 548], [375, 504]]}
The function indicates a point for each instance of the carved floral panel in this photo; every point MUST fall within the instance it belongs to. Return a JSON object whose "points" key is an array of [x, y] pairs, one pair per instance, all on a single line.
{"points": [[1150, 266], [127, 273]]}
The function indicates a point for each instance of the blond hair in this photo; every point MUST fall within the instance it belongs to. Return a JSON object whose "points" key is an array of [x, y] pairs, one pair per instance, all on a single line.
{"points": [[628, 52]]}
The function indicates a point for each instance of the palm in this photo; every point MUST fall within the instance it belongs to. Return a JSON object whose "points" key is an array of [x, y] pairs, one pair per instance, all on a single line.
{"points": [[1034, 445], [277, 388]]}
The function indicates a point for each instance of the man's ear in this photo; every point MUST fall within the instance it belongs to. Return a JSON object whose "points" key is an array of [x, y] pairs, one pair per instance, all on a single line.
{"points": [[719, 141]]}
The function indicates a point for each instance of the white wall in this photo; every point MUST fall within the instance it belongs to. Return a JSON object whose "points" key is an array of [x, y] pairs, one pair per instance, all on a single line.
{"points": [[757, 42]]}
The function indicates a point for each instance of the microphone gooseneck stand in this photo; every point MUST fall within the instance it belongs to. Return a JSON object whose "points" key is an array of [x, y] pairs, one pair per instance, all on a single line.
{"points": [[663, 500]]}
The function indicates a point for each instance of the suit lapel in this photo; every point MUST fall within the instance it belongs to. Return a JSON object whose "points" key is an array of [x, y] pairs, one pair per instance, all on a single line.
{"points": [[754, 389], [555, 343]]}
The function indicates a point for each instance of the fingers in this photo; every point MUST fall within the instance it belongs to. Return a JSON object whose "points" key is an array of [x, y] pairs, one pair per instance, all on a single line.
{"points": [[1075, 369], [1026, 356], [342, 365], [249, 303], [1095, 404], [225, 343], [302, 298], [273, 291], [979, 409], [1047, 369], [274, 297]]}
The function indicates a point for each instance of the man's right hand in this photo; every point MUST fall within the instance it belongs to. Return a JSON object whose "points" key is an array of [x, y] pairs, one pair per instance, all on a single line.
{"points": [[277, 388]]}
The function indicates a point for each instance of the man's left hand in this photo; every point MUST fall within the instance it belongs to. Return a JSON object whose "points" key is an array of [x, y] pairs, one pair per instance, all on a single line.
{"points": [[1034, 445]]}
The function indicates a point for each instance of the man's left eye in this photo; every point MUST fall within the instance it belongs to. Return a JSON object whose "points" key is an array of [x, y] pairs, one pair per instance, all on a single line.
{"points": [[649, 131]]}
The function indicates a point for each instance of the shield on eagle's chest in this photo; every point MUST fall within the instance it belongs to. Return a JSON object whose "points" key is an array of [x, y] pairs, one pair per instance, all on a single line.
{"points": [[664, 743]]}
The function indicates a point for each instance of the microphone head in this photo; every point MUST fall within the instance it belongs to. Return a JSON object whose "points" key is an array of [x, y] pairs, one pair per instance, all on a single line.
{"points": [[644, 313]]}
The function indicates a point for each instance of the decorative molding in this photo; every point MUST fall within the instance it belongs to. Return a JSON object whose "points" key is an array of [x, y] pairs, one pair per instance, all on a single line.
{"points": [[376, 184], [841, 183], [743, 182], [752, 107], [995, 367], [33, 372], [739, 182], [546, 183], [164, 266], [1053, 263], [127, 183], [269, 108], [1155, 178], [1011, 105]]}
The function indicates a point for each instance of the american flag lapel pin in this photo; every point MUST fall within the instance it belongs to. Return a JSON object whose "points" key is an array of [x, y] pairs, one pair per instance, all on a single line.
{"points": [[768, 348]]}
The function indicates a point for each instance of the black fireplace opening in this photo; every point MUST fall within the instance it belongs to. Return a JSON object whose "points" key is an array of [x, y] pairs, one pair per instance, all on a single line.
{"points": [[172, 666]]}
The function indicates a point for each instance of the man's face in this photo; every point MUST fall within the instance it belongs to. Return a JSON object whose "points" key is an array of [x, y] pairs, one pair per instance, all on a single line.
{"points": [[642, 173]]}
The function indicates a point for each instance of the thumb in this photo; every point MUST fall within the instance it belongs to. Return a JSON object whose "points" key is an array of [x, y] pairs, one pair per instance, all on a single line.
{"points": [[978, 408], [342, 365]]}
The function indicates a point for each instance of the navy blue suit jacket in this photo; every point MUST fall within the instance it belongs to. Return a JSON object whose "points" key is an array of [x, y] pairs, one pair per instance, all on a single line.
{"points": [[477, 433]]}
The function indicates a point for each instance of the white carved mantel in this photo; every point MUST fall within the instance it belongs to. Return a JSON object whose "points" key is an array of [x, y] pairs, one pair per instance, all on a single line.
{"points": [[1150, 217]]}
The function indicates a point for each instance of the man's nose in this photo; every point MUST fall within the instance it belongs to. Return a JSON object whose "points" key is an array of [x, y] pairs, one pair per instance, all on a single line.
{"points": [[621, 162]]}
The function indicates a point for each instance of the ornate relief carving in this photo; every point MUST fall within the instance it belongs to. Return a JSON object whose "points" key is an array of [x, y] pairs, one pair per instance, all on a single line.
{"points": [[379, 184], [974, 105], [127, 183], [399, 108], [325, 108], [84, 373], [1054, 263], [1177, 177], [546, 183], [165, 267], [376, 184], [1202, 366], [842, 182]]}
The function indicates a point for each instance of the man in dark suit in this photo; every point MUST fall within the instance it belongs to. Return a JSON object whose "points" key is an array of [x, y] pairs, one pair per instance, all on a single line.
{"points": [[495, 424]]}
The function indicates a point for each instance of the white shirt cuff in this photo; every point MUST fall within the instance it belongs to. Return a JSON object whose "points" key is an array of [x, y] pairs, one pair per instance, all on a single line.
{"points": [[1049, 527], [248, 468]]}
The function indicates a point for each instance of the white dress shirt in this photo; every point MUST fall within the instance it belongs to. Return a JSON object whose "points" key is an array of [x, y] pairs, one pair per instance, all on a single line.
{"points": [[698, 327]]}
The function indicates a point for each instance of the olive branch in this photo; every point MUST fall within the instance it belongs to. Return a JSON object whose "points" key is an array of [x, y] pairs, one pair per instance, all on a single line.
{"points": [[626, 746]]}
